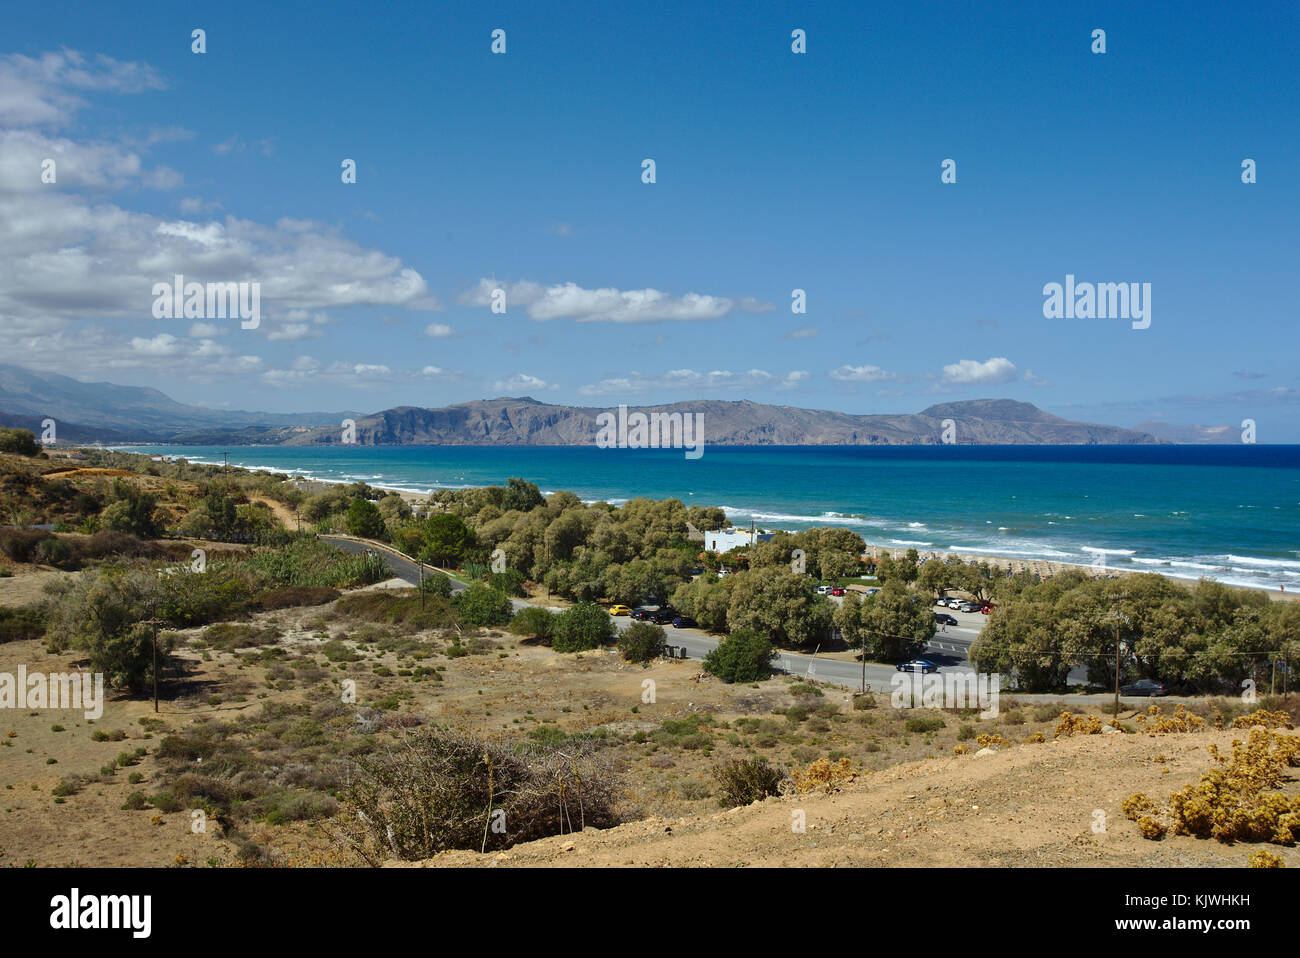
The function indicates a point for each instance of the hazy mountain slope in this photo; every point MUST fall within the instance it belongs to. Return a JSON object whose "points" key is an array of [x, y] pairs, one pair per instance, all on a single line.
{"points": [[525, 421], [134, 411], [111, 413]]}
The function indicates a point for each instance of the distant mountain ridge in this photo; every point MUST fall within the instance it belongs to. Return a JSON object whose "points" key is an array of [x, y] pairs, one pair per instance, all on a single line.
{"points": [[526, 421], [111, 413]]}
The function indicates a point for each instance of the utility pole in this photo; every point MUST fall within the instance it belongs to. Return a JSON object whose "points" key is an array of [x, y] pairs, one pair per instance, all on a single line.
{"points": [[1118, 617], [155, 623], [421, 564]]}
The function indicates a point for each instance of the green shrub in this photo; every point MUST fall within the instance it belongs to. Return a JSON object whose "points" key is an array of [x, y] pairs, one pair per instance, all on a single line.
{"points": [[482, 605], [21, 442], [22, 622], [743, 656], [641, 642], [534, 622], [583, 626], [744, 781], [924, 723], [337, 651], [436, 583]]}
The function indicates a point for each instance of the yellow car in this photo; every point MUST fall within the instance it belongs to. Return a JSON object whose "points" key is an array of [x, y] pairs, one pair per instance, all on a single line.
{"points": [[619, 610]]}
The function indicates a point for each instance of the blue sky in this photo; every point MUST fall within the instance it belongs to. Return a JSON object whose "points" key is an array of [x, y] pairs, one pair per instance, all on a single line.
{"points": [[775, 171]]}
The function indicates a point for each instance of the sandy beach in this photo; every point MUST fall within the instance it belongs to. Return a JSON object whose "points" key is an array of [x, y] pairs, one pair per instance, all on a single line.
{"points": [[1046, 569]]}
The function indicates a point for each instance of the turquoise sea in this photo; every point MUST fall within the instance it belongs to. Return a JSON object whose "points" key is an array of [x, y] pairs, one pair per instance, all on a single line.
{"points": [[1230, 513]]}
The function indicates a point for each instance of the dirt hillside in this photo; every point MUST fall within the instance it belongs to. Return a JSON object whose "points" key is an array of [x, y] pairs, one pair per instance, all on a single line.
{"points": [[1032, 805]]}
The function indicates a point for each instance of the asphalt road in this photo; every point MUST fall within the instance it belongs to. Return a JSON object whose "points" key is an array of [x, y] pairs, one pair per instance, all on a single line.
{"points": [[948, 649]]}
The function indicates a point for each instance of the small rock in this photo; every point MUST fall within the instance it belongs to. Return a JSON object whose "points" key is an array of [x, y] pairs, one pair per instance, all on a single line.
{"points": [[986, 750]]}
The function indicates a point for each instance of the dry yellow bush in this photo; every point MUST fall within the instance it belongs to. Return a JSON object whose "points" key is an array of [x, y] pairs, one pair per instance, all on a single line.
{"points": [[1231, 803], [990, 741], [1264, 717], [824, 776], [1072, 724], [1137, 805], [959, 750], [1181, 721], [1151, 828], [1031, 739], [1264, 859]]}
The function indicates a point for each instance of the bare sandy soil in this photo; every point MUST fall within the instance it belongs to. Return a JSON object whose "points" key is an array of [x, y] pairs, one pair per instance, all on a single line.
{"points": [[1052, 804], [914, 804], [27, 585]]}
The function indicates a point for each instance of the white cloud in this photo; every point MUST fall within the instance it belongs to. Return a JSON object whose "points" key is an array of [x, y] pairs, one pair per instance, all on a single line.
{"points": [[968, 372], [190, 205], [439, 331], [863, 374], [89, 165], [68, 260], [164, 344], [607, 305], [290, 332], [806, 333], [522, 381], [38, 91], [692, 380]]}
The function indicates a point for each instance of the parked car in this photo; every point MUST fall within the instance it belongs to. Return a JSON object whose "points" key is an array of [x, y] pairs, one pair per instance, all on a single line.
{"points": [[968, 607], [663, 617], [943, 618], [942, 600], [838, 590], [823, 590], [924, 666], [987, 608], [619, 610], [685, 622], [1145, 687], [641, 615]]}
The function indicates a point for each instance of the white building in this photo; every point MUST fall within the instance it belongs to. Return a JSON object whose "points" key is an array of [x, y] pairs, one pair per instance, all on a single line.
{"points": [[728, 539]]}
